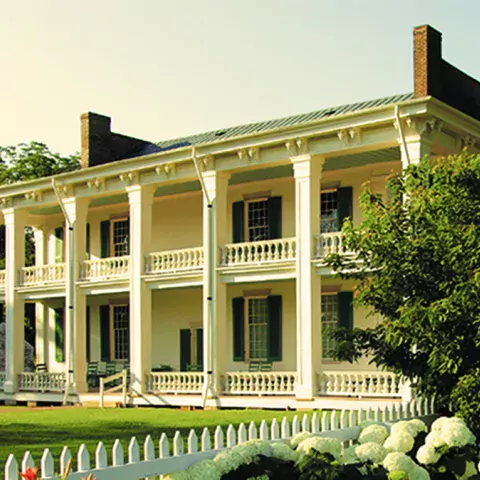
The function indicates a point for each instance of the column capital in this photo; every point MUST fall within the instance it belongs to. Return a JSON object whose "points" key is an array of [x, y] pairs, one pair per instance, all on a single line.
{"points": [[13, 214], [307, 165], [207, 174], [139, 193]]}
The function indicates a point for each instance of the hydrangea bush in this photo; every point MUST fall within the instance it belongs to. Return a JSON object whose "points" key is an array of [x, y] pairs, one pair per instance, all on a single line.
{"points": [[406, 451]]}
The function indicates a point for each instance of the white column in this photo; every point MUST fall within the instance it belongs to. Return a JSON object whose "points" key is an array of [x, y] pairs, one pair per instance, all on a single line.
{"points": [[75, 313], [307, 173], [214, 290], [15, 221], [414, 149], [41, 315], [141, 200]]}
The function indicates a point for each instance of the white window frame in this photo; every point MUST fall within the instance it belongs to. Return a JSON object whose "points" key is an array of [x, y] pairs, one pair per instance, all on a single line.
{"points": [[328, 294], [113, 221], [327, 190], [246, 211], [113, 353], [248, 357]]}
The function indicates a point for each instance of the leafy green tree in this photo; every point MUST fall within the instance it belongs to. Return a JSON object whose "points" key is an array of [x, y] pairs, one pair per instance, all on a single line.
{"points": [[417, 264]]}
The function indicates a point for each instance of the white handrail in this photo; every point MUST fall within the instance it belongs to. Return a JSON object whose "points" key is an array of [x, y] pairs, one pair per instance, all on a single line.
{"points": [[175, 382], [327, 243], [41, 381], [175, 260], [41, 274], [106, 268], [261, 383], [123, 375], [264, 251]]}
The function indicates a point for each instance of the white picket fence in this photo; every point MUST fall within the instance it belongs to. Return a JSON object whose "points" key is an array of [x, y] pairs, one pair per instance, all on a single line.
{"points": [[338, 424]]}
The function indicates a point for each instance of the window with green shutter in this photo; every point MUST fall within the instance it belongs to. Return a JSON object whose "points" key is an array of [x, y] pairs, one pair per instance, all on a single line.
{"points": [[59, 334], [238, 222], [345, 205], [59, 234], [199, 342], [87, 333], [335, 207], [185, 348], [105, 239], [238, 314], [337, 311], [87, 242], [257, 328]]}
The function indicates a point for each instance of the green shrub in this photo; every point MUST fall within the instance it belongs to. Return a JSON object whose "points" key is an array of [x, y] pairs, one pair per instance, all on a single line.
{"points": [[466, 400]]}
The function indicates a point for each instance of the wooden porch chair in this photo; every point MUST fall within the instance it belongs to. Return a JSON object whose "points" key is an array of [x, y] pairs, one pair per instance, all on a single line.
{"points": [[92, 374], [194, 368], [41, 368]]}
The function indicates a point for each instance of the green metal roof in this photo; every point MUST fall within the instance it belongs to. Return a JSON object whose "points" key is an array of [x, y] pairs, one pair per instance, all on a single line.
{"points": [[295, 120]]}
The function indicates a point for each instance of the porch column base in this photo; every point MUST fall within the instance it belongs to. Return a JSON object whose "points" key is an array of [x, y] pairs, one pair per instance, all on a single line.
{"points": [[305, 393], [9, 387]]}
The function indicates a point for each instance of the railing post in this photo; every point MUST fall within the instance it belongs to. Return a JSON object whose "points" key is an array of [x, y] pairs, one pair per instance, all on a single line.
{"points": [[102, 393]]}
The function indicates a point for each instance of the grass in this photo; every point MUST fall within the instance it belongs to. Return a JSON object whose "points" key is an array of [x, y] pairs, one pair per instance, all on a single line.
{"points": [[35, 429]]}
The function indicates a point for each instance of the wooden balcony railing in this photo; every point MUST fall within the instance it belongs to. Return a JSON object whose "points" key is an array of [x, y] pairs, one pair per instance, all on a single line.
{"points": [[41, 382], [42, 274], [175, 260], [260, 383], [175, 382], [106, 268], [265, 251]]}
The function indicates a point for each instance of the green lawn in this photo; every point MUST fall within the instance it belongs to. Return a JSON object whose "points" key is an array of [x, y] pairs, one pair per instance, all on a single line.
{"points": [[23, 429]]}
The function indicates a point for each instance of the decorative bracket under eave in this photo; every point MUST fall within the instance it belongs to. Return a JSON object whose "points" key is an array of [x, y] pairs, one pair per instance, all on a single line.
{"points": [[96, 183], [297, 146], [36, 196], [166, 169], [206, 163], [129, 178], [350, 136]]}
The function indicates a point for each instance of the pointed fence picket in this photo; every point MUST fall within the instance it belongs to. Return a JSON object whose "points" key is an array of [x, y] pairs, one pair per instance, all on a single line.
{"points": [[152, 462]]}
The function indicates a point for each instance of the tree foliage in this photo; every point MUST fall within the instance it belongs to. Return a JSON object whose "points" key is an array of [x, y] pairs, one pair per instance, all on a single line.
{"points": [[417, 264]]}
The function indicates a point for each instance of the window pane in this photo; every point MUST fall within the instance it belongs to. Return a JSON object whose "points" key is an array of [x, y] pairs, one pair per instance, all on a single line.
{"points": [[258, 328], [120, 243], [121, 332], [257, 221], [329, 320], [329, 212]]}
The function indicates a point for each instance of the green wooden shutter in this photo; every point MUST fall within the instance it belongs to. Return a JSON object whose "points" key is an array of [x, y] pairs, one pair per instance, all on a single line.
{"points": [[238, 307], [345, 205], [275, 328], [128, 237], [275, 217], [200, 347], [87, 332], [59, 234], [238, 222], [87, 241], [60, 334], [105, 239], [185, 348], [105, 333], [345, 309]]}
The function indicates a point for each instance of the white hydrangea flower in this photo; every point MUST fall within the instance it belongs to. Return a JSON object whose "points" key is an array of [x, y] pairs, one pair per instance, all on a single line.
{"points": [[437, 424], [434, 438], [283, 452], [456, 434], [250, 450], [401, 441], [179, 475], [398, 461], [204, 470], [367, 423], [418, 473], [299, 438], [373, 433], [419, 425], [321, 445], [470, 471], [371, 451], [427, 455], [349, 455], [404, 426], [228, 460]]}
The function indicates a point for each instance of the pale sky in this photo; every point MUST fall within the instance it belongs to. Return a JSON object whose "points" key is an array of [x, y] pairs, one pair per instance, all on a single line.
{"points": [[168, 68]]}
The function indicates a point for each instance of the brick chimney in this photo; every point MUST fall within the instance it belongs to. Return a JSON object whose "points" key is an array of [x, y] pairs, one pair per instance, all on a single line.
{"points": [[427, 61], [96, 145]]}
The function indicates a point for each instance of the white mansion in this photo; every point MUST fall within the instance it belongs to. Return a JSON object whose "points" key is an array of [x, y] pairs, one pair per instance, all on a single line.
{"points": [[197, 265]]}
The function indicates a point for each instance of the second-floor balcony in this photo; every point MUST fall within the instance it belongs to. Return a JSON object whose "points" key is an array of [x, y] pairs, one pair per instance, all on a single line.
{"points": [[174, 261], [105, 268], [40, 275]]}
